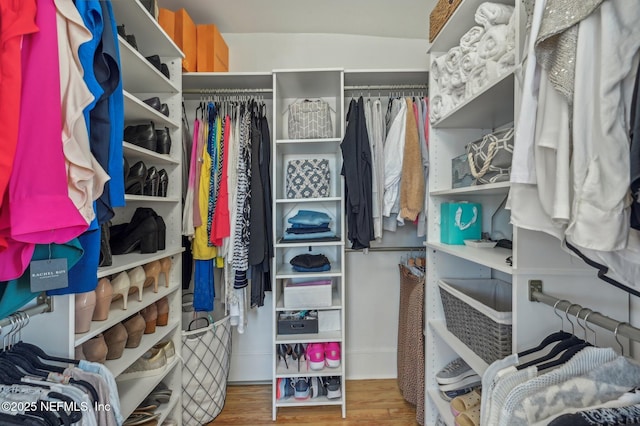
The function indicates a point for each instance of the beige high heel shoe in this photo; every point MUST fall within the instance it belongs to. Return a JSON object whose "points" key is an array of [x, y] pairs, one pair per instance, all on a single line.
{"points": [[152, 272], [165, 267], [120, 287], [104, 294], [136, 278], [85, 304]]}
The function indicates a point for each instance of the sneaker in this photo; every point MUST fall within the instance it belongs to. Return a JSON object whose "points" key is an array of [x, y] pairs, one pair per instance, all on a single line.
{"points": [[334, 390], [151, 363], [449, 395], [332, 354], [315, 356], [316, 387], [301, 386], [467, 382], [453, 372], [284, 388]]}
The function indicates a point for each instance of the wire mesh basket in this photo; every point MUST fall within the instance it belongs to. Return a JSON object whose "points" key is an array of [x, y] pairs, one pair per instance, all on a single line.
{"points": [[478, 312]]}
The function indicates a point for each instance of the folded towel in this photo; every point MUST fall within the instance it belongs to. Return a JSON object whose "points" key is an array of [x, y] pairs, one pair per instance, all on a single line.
{"points": [[452, 60], [469, 62], [480, 77], [506, 62], [445, 83], [458, 96], [470, 39], [438, 68], [493, 43], [489, 14], [439, 106], [458, 79], [511, 33]]}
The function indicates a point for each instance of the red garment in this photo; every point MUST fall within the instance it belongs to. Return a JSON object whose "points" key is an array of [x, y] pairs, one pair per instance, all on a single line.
{"points": [[18, 19], [221, 227]]}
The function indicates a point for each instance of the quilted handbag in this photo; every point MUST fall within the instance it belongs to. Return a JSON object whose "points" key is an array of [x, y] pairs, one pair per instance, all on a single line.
{"points": [[310, 119], [490, 157], [308, 178]]}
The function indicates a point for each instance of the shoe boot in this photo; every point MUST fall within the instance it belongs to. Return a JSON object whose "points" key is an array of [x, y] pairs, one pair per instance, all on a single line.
{"points": [[152, 363], [139, 215], [120, 287], [150, 315], [121, 32], [163, 141], [136, 280], [152, 182], [143, 237], [95, 349], [162, 233], [150, 5], [134, 183], [162, 306], [135, 329], [142, 135], [169, 349], [155, 61], [164, 109], [131, 39], [163, 184], [164, 69], [152, 272], [105, 250], [154, 103], [85, 303], [104, 294], [125, 167], [116, 339], [165, 266]]}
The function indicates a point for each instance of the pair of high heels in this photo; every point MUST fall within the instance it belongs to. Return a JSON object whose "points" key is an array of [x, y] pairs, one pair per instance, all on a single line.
{"points": [[146, 231], [156, 314], [296, 352], [155, 103], [148, 137], [137, 279], [150, 181], [130, 38]]}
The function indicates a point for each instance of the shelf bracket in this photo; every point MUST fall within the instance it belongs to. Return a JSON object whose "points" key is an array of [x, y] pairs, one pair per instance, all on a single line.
{"points": [[534, 286]]}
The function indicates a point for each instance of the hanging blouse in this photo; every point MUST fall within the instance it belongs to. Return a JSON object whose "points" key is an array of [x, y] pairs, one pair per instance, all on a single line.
{"points": [[200, 247]]}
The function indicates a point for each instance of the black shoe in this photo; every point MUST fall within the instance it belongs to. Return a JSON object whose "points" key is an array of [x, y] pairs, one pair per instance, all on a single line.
{"points": [[154, 103], [142, 135], [151, 182], [105, 249], [150, 5], [163, 141], [134, 184], [164, 183], [121, 32], [141, 214], [143, 237], [131, 39], [125, 167], [164, 69], [155, 61], [164, 109]]}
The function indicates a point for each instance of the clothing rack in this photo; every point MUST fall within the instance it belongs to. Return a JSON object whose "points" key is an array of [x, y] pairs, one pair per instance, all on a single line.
{"points": [[388, 87], [608, 323], [382, 249], [45, 304], [225, 91]]}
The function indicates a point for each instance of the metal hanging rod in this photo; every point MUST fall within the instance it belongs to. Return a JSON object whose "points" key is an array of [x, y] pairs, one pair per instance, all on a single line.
{"points": [[608, 323], [374, 249], [44, 305], [388, 87], [224, 91]]}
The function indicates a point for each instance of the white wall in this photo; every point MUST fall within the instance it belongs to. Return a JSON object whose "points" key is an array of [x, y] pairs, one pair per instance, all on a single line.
{"points": [[265, 52]]}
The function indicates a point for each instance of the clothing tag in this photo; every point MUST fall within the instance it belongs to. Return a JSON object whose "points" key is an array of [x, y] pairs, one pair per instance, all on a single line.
{"points": [[48, 274], [58, 378]]}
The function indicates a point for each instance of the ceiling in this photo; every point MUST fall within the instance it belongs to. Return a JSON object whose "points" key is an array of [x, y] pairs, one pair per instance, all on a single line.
{"points": [[381, 18]]}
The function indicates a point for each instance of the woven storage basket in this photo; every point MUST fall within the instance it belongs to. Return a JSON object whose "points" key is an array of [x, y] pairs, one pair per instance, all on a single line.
{"points": [[439, 16], [478, 312]]}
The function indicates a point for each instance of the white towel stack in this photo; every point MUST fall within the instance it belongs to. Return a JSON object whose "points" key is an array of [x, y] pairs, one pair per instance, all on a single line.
{"points": [[485, 52]]}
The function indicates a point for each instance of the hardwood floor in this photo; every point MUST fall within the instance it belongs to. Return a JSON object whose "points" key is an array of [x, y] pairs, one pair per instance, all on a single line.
{"points": [[369, 402]]}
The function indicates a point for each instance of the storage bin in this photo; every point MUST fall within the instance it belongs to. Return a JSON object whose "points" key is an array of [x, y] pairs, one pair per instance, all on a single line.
{"points": [[185, 38], [213, 52], [167, 20], [478, 312], [461, 172], [329, 320], [288, 324], [439, 16], [307, 294], [460, 221]]}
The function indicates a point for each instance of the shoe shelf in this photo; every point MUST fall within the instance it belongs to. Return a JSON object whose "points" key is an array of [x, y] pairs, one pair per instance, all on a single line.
{"points": [[135, 153], [117, 314], [323, 336], [124, 262], [475, 362], [136, 111], [488, 189], [443, 407], [489, 109], [130, 355], [151, 199], [138, 75], [307, 200], [494, 258], [321, 400], [292, 371], [149, 34], [133, 392], [286, 271], [336, 303]]}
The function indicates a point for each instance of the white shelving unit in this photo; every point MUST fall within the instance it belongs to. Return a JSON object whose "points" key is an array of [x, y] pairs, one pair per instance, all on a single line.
{"points": [[289, 86]]}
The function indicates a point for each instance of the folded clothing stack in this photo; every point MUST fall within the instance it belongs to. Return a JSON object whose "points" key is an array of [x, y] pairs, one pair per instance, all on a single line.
{"points": [[485, 52], [310, 263], [309, 225]]}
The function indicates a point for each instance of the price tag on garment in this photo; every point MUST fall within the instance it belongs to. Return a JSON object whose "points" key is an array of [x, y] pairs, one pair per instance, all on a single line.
{"points": [[48, 274]]}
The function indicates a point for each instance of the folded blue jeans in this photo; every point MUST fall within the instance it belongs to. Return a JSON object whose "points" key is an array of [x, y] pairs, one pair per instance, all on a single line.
{"points": [[310, 217], [308, 230], [323, 268], [312, 236]]}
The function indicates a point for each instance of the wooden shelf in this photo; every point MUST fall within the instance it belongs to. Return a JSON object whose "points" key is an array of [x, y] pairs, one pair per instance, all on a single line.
{"points": [[443, 407], [128, 261], [117, 314], [292, 371], [488, 189], [138, 75], [135, 152], [325, 336], [133, 392], [475, 362], [491, 108], [286, 271], [150, 199], [136, 111], [462, 19], [336, 303], [321, 400], [493, 258]]}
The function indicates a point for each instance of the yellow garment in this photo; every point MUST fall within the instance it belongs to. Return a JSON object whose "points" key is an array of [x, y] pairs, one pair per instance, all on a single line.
{"points": [[200, 246]]}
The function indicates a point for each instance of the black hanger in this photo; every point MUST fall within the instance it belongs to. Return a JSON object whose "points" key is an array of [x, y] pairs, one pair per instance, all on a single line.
{"points": [[566, 356], [33, 359], [74, 415], [21, 420], [554, 337], [42, 355], [557, 349]]}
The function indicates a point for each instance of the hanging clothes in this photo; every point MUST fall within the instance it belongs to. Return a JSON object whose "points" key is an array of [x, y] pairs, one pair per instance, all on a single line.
{"points": [[412, 188]]}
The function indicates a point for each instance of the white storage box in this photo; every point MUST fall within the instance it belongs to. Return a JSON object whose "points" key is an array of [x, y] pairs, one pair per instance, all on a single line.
{"points": [[307, 294], [329, 320]]}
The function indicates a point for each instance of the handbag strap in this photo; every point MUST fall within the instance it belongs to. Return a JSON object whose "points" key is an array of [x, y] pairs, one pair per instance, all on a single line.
{"points": [[491, 152]]}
